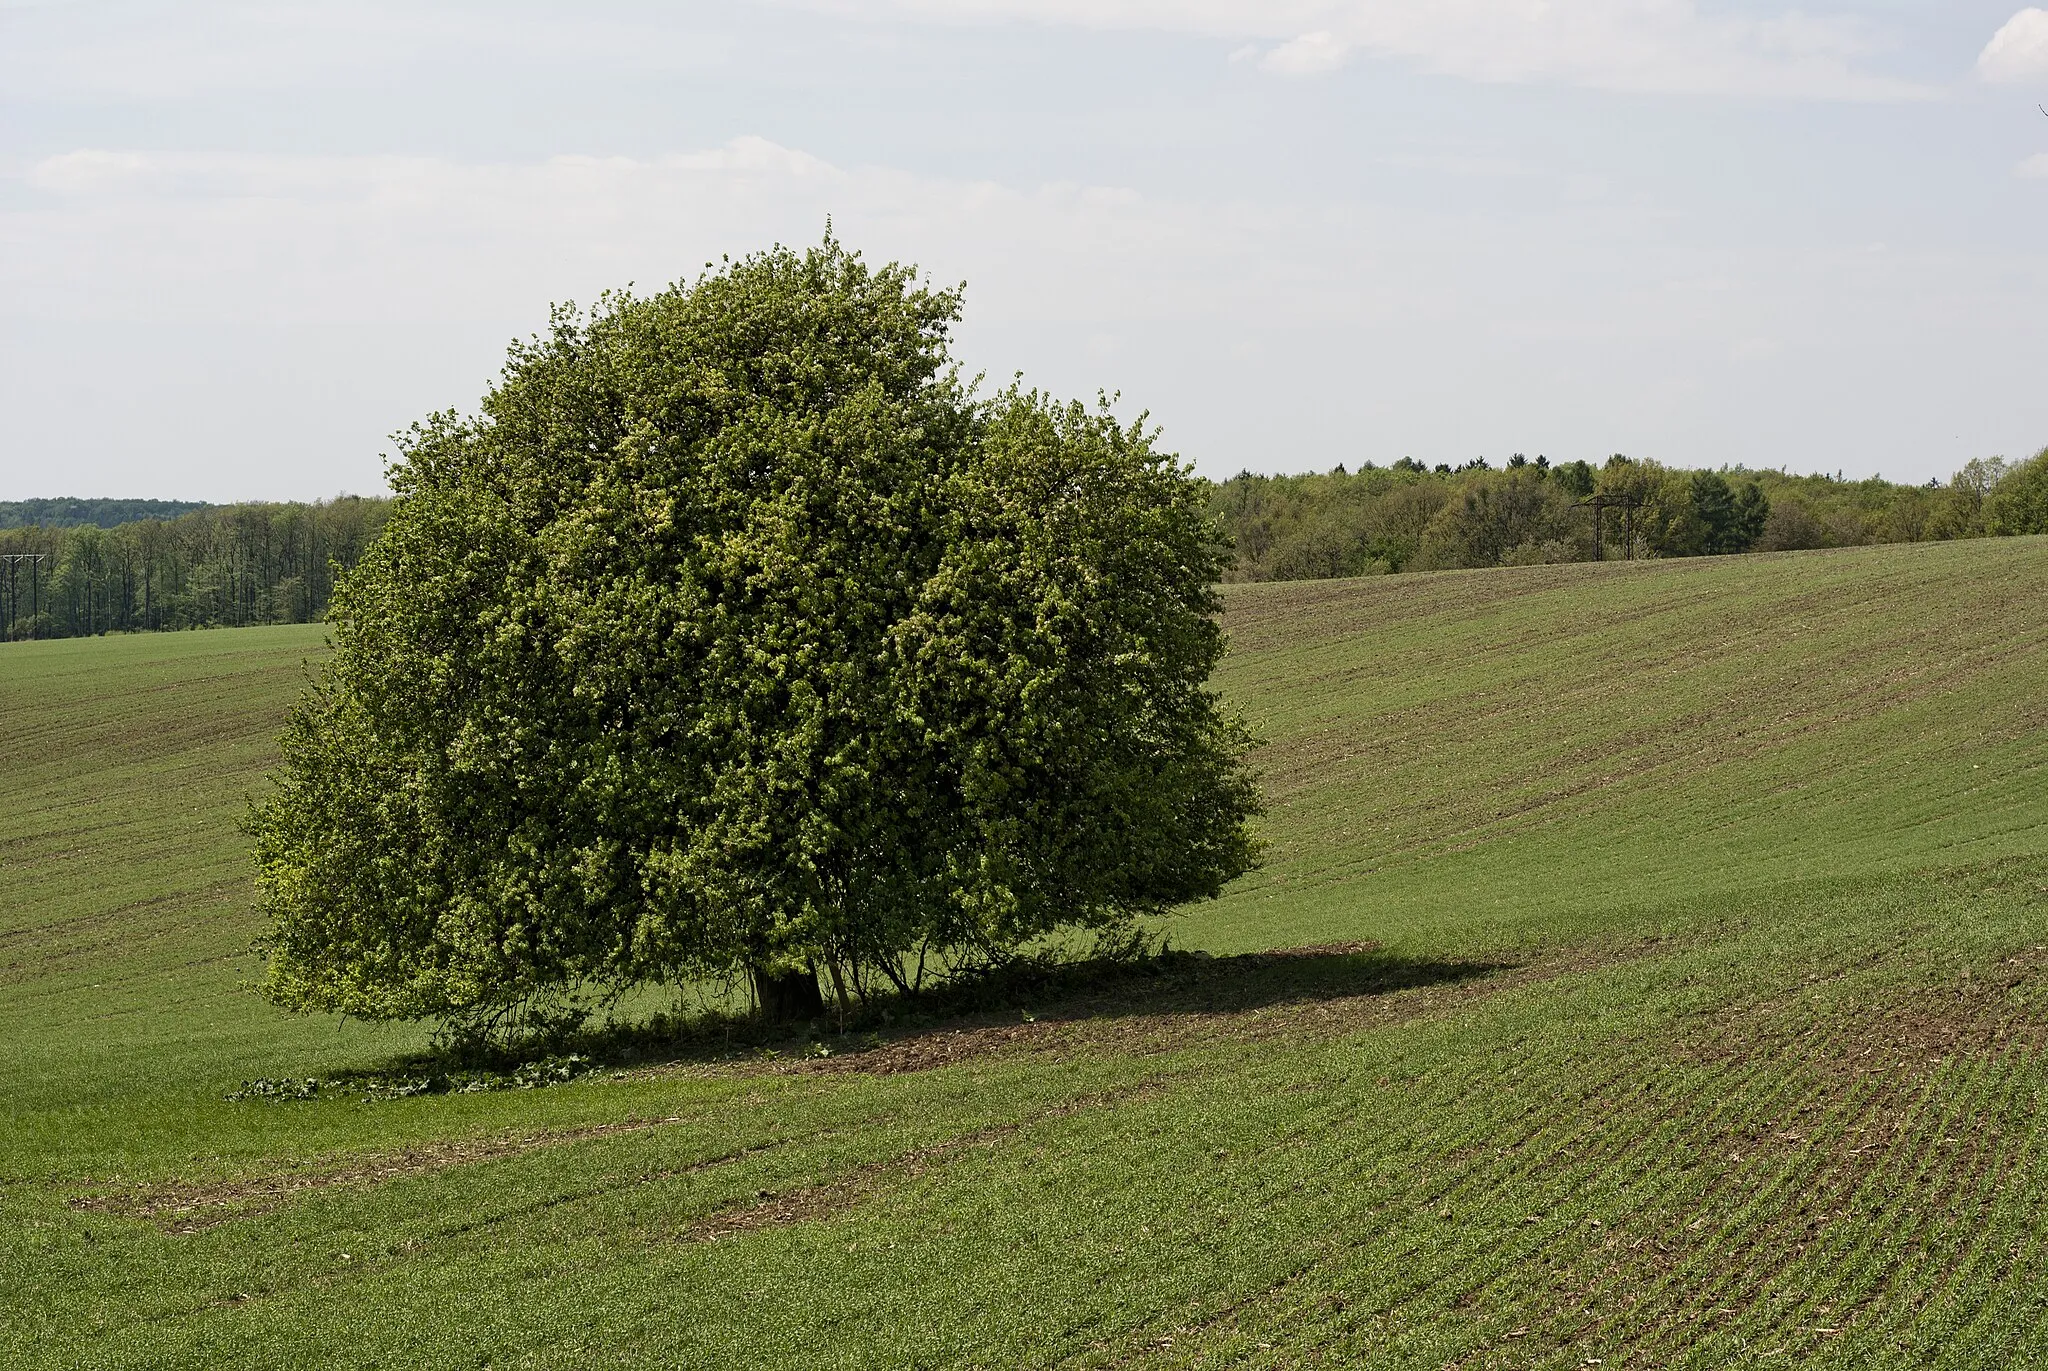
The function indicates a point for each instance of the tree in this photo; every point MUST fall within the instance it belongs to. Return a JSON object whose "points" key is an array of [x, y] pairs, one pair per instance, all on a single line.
{"points": [[735, 635], [2019, 502], [1713, 511], [1493, 516], [1728, 520], [1962, 514], [1791, 527], [1657, 509], [1576, 478], [1752, 515]]}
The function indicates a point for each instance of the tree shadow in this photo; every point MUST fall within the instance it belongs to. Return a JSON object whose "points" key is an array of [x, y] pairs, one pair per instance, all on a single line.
{"points": [[1020, 1000], [1198, 983]]}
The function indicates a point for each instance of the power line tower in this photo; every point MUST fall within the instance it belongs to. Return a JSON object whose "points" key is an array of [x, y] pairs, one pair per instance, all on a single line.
{"points": [[1628, 505], [35, 589]]}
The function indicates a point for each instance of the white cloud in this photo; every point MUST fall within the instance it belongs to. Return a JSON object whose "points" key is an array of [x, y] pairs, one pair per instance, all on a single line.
{"points": [[1307, 55], [280, 313], [1664, 46], [2034, 168], [275, 315], [120, 233], [87, 170], [132, 51], [2019, 51], [396, 279]]}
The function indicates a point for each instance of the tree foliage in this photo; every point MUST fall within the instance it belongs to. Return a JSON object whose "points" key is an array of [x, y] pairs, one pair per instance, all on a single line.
{"points": [[99, 513], [1410, 517], [2018, 504], [221, 565], [736, 634]]}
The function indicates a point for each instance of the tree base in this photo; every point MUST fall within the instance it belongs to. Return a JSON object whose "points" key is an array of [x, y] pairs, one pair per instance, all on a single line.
{"points": [[788, 996]]}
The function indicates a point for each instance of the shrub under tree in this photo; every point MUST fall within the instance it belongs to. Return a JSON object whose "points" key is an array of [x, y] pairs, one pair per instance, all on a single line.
{"points": [[736, 635]]}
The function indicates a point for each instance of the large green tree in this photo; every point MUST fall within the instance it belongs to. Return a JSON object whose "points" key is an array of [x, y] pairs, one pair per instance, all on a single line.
{"points": [[736, 635]]}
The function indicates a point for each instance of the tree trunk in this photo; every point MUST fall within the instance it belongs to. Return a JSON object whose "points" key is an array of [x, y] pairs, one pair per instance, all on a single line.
{"points": [[788, 996]]}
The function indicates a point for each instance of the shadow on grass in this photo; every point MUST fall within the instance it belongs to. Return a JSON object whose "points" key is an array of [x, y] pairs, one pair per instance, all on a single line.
{"points": [[1024, 1000], [1195, 982]]}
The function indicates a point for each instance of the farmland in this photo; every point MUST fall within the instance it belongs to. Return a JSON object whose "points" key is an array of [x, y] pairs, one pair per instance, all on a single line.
{"points": [[1650, 965]]}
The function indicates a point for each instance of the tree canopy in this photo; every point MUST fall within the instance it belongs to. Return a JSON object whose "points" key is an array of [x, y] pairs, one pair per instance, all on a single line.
{"points": [[1371, 519], [97, 513], [737, 634], [2018, 503]]}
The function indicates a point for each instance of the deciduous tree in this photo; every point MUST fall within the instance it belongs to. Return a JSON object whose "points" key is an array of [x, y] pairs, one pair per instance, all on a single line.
{"points": [[2019, 502], [737, 635]]}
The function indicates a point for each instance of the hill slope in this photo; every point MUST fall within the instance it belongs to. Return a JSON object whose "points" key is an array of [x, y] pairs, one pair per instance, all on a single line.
{"points": [[1587, 734], [1704, 1023]]}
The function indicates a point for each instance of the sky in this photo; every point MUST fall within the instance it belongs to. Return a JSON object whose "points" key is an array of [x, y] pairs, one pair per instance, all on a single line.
{"points": [[242, 244]]}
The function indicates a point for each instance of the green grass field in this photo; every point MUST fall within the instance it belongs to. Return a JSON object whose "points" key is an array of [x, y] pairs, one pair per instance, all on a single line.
{"points": [[1671, 989]]}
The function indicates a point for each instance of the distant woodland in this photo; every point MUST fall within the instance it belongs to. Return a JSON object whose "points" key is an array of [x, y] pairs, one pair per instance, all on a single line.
{"points": [[122, 565], [214, 566], [70, 513], [1409, 517]]}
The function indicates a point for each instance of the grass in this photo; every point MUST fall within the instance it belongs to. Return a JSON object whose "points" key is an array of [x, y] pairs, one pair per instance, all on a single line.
{"points": [[1676, 995]]}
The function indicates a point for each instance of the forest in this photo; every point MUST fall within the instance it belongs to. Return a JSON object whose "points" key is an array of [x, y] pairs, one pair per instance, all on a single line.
{"points": [[1410, 517], [214, 566], [225, 565], [69, 512]]}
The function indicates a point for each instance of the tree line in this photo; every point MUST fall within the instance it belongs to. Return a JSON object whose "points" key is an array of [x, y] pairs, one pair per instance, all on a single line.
{"points": [[1411, 517], [67, 511], [223, 565], [259, 563]]}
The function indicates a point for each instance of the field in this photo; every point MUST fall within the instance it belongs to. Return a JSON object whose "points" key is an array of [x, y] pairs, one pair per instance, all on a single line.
{"points": [[1650, 969]]}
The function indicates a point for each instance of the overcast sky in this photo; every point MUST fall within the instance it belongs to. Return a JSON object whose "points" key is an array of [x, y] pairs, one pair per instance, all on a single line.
{"points": [[241, 244]]}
